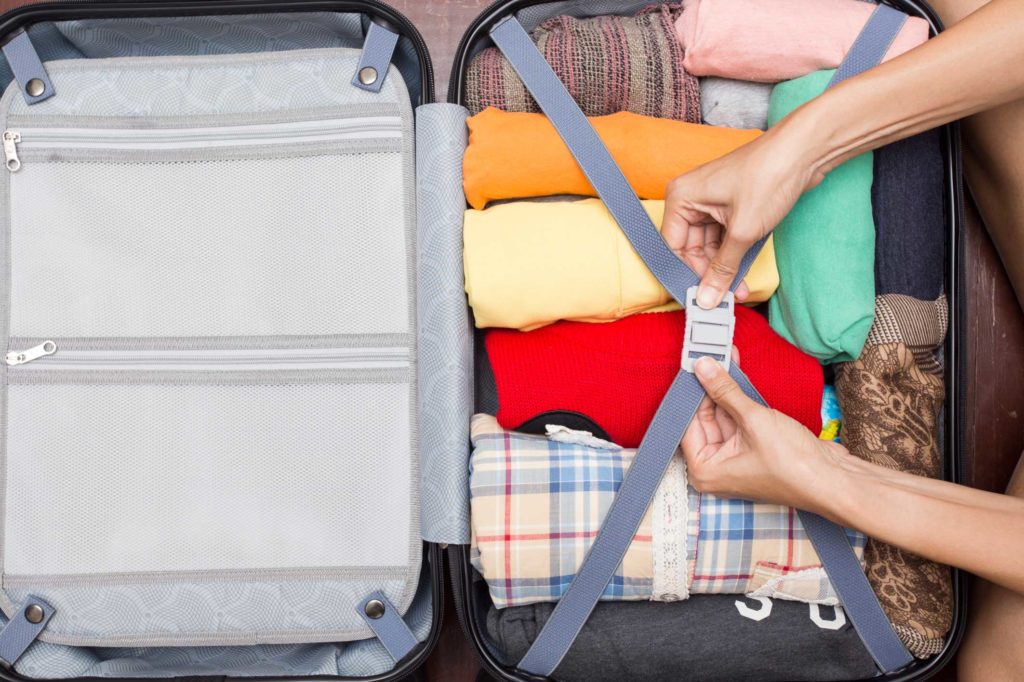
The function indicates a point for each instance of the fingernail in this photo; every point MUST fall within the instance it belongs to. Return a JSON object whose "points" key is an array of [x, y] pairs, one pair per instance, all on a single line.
{"points": [[706, 368], [707, 297]]}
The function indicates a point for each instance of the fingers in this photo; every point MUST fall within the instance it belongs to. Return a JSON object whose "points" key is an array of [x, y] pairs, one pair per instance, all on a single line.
{"points": [[712, 239], [693, 252], [707, 417], [722, 270], [695, 437], [742, 292], [723, 390]]}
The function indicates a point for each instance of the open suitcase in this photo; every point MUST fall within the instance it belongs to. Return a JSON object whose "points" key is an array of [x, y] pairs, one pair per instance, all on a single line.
{"points": [[533, 656], [268, 300]]}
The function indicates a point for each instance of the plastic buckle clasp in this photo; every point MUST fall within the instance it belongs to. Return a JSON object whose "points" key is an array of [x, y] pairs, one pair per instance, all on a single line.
{"points": [[709, 333]]}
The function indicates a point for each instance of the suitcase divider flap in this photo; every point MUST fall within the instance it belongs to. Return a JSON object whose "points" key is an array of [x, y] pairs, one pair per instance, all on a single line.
{"points": [[445, 328]]}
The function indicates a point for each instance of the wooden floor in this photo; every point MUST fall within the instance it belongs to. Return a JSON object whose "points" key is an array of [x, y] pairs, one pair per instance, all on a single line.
{"points": [[995, 336]]}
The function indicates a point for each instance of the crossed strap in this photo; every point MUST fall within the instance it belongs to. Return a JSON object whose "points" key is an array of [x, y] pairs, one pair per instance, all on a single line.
{"points": [[680, 404]]}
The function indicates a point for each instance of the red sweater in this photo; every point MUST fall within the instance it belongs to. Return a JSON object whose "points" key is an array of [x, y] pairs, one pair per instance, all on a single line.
{"points": [[617, 373]]}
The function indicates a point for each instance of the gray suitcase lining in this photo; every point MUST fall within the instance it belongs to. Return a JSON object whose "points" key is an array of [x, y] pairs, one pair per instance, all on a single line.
{"points": [[244, 604]]}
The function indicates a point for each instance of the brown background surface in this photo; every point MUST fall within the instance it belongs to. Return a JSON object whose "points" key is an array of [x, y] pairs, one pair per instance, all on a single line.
{"points": [[995, 335]]}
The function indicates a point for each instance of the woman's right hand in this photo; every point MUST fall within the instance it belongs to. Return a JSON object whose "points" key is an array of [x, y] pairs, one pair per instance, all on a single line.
{"points": [[716, 212]]}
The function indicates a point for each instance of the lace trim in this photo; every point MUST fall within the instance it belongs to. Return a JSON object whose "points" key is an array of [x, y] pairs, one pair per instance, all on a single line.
{"points": [[919, 645], [668, 534]]}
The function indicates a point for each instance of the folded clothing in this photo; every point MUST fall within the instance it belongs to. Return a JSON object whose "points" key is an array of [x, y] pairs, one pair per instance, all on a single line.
{"points": [[910, 227], [891, 410], [608, 63], [707, 639], [831, 415], [825, 250], [528, 264], [518, 155], [919, 325], [589, 368], [774, 41], [537, 504], [734, 104]]}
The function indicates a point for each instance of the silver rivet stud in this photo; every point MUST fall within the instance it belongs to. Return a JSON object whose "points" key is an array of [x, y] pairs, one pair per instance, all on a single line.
{"points": [[367, 75], [374, 609], [34, 614], [35, 87]]}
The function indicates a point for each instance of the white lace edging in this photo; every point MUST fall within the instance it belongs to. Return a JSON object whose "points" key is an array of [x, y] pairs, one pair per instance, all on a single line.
{"points": [[668, 535]]}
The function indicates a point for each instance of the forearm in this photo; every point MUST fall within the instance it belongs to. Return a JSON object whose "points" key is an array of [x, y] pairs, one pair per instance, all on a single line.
{"points": [[975, 65], [974, 530]]}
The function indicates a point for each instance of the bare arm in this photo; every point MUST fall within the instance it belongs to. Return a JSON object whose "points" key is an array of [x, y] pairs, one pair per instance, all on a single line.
{"points": [[739, 448], [715, 213]]}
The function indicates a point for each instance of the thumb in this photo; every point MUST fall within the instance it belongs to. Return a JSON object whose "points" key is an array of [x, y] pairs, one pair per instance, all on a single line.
{"points": [[719, 277], [723, 390]]}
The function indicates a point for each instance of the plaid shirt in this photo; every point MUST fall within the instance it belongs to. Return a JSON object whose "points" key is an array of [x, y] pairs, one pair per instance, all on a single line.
{"points": [[537, 505]]}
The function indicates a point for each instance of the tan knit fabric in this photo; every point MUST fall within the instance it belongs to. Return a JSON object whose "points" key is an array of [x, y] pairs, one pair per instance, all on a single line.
{"points": [[920, 325], [608, 63]]}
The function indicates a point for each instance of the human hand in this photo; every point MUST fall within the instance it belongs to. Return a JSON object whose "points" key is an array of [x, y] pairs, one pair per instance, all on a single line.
{"points": [[715, 213], [738, 448]]}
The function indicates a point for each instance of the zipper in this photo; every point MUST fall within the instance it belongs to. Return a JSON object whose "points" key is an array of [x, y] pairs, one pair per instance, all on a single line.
{"points": [[156, 139], [11, 140], [48, 356], [15, 358]]}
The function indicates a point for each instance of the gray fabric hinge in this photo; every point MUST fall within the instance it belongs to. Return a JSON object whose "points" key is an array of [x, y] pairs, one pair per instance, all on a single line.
{"points": [[388, 625], [23, 629], [28, 69], [376, 58]]}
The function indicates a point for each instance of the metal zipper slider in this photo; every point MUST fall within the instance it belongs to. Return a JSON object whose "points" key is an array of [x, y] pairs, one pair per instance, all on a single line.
{"points": [[26, 356], [11, 140]]}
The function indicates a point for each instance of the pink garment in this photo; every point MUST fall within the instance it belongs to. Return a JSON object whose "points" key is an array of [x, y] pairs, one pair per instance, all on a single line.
{"points": [[757, 40]]}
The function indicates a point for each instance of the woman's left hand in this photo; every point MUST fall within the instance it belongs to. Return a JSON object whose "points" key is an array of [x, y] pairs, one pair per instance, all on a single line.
{"points": [[738, 448]]}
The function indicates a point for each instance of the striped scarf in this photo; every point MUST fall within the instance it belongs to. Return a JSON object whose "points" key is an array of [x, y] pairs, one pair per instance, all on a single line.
{"points": [[608, 63]]}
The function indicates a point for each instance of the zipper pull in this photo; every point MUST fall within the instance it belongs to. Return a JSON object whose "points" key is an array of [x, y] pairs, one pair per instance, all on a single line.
{"points": [[11, 140], [26, 356]]}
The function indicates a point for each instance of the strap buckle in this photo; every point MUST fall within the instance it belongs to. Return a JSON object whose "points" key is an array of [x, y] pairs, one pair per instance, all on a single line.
{"points": [[709, 332]]}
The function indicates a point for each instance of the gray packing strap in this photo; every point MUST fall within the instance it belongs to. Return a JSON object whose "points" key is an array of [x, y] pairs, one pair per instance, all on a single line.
{"points": [[848, 579], [387, 624], [683, 398], [869, 49], [23, 629], [28, 69], [378, 48]]}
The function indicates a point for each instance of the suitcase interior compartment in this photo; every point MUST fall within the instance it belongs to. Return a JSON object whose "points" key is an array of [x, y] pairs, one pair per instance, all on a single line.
{"points": [[472, 598], [205, 241]]}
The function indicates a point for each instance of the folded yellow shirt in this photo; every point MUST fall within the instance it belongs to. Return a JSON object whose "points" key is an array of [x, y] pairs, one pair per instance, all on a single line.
{"points": [[529, 264]]}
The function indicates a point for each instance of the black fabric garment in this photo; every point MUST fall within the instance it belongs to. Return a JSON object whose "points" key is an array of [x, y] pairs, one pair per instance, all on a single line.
{"points": [[907, 201], [701, 639]]}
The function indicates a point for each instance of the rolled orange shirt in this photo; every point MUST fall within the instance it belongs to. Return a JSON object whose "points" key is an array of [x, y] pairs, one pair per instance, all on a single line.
{"points": [[515, 155]]}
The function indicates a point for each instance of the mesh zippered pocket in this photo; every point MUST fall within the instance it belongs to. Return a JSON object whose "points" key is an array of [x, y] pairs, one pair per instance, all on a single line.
{"points": [[150, 471], [253, 229]]}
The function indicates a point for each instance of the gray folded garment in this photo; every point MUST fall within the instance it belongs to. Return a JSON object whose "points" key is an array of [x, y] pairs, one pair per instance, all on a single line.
{"points": [[734, 104], [703, 638], [533, 16]]}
